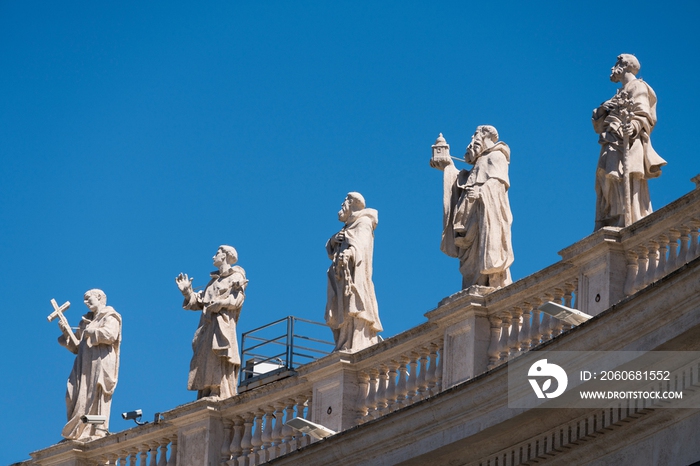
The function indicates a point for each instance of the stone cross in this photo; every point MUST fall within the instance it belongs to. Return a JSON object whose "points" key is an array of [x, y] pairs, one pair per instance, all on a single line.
{"points": [[58, 312]]}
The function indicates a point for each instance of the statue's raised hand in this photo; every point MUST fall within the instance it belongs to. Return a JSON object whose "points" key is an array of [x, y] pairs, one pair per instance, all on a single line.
{"points": [[441, 162], [184, 283]]}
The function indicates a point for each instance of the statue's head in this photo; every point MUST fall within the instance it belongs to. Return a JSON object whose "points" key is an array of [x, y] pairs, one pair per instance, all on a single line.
{"points": [[95, 299], [484, 138], [225, 254], [352, 203], [626, 63]]}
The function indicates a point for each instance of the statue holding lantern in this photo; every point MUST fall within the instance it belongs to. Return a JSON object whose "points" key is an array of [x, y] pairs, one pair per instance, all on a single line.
{"points": [[476, 212]]}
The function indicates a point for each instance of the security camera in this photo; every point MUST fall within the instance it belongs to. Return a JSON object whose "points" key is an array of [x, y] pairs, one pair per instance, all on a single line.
{"points": [[132, 414], [135, 416], [93, 419]]}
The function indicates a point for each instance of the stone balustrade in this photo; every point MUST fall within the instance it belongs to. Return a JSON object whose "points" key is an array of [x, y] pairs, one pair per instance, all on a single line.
{"points": [[141, 452], [662, 242], [523, 326], [254, 432], [147, 445], [405, 372]]}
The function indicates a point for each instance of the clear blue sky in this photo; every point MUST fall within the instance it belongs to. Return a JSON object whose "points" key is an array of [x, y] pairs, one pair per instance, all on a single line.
{"points": [[135, 138]]}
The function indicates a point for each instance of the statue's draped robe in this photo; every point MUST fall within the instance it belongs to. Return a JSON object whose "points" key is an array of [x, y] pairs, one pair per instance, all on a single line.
{"points": [[95, 371], [351, 308], [643, 161], [215, 361], [478, 231]]}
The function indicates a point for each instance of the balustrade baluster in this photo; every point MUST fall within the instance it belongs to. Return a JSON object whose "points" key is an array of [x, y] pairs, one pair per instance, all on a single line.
{"points": [[546, 324], [143, 455], [256, 441], [535, 332], [685, 245], [432, 370], [642, 258], [235, 447], [153, 460], [172, 461], [291, 436], [674, 235], [300, 406], [423, 375], [413, 377], [382, 388], [305, 440], [362, 396], [287, 432], [246, 441], [372, 395], [301, 439], [266, 436], [662, 266], [494, 350], [632, 267], [306, 406], [226, 443], [557, 325], [402, 388], [503, 346], [163, 449], [278, 420], [133, 457], [694, 247], [514, 344], [653, 262], [441, 349], [525, 327], [391, 389], [569, 289]]}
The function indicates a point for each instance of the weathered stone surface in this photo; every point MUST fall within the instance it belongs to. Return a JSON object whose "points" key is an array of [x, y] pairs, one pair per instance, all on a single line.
{"points": [[351, 309], [95, 371], [476, 212], [216, 361], [627, 158]]}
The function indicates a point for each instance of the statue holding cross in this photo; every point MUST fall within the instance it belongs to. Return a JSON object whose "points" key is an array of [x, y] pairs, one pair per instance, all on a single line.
{"points": [[91, 383]]}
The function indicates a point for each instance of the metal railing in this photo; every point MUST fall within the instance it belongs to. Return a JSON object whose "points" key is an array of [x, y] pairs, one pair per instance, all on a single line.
{"points": [[275, 350]]}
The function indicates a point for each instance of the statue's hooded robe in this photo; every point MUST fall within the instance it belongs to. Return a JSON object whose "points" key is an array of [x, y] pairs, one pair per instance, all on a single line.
{"points": [[215, 360], [478, 231], [351, 309], [95, 371]]}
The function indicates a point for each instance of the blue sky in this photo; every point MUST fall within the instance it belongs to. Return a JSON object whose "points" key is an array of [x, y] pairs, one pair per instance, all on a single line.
{"points": [[136, 138]]}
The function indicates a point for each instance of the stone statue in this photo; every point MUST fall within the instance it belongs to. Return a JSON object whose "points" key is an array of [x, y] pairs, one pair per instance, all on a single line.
{"points": [[215, 363], [351, 308], [627, 159], [96, 368], [476, 211]]}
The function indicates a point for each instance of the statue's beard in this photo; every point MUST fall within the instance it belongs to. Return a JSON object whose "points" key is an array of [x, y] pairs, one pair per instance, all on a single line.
{"points": [[473, 151], [343, 215]]}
